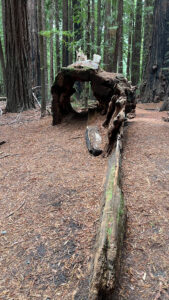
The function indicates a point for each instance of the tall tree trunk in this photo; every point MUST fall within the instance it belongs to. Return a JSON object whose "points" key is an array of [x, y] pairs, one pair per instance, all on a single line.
{"points": [[148, 23], [118, 51], [107, 38], [42, 60], [34, 42], [136, 46], [57, 37], [88, 30], [2, 60], [76, 4], [93, 29], [65, 54], [157, 71], [129, 49], [70, 20], [45, 49], [17, 46], [51, 44], [99, 31]]}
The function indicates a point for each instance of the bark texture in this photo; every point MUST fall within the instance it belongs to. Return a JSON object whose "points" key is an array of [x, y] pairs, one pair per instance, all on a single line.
{"points": [[155, 86], [136, 47], [17, 46], [106, 87], [65, 54], [34, 42], [118, 51]]}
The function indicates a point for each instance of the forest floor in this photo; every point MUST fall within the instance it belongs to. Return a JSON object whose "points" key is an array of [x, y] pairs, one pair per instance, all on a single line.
{"points": [[145, 184], [50, 192]]}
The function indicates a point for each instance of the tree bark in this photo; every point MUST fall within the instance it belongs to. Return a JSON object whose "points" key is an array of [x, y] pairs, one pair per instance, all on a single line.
{"points": [[57, 37], [45, 50], [136, 46], [34, 42], [99, 26], [148, 24], [93, 29], [65, 55], [88, 30], [107, 37], [70, 20], [42, 60], [51, 44], [17, 46], [155, 87], [2, 60], [118, 51]]}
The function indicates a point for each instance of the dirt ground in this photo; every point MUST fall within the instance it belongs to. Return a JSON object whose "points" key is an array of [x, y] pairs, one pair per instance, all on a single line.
{"points": [[50, 191], [145, 167]]}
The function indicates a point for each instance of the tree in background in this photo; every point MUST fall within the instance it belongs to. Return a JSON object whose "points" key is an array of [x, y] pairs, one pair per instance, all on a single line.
{"points": [[136, 45], [17, 49], [65, 54], [155, 87], [34, 42], [118, 50], [42, 58]]}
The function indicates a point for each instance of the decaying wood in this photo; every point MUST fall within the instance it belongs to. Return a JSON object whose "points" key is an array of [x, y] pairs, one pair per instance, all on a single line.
{"points": [[113, 131], [93, 140], [112, 90]]}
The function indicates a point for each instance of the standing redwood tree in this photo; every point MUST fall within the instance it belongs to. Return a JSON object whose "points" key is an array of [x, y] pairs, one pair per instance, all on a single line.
{"points": [[17, 46], [136, 45], [118, 51], [155, 86]]}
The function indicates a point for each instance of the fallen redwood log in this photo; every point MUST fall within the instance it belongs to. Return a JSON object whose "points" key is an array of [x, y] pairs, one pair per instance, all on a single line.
{"points": [[113, 131], [104, 85]]}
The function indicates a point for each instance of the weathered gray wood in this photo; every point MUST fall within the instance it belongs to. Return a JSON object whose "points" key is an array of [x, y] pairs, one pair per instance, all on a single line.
{"points": [[106, 263]]}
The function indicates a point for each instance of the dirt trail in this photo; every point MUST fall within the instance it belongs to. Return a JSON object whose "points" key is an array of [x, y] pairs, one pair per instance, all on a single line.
{"points": [[50, 191], [145, 272]]}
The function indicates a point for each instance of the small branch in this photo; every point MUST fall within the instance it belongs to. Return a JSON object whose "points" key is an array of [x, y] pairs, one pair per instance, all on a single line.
{"points": [[6, 155], [16, 209], [36, 99]]}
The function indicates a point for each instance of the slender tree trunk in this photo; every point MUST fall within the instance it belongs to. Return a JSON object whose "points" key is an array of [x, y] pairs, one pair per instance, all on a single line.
{"points": [[34, 42], [70, 20], [99, 26], [157, 72], [76, 4], [51, 44], [129, 49], [93, 29], [65, 55], [88, 50], [148, 23], [2, 60], [136, 47], [118, 51], [42, 60], [17, 46], [107, 38], [45, 49], [57, 37]]}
